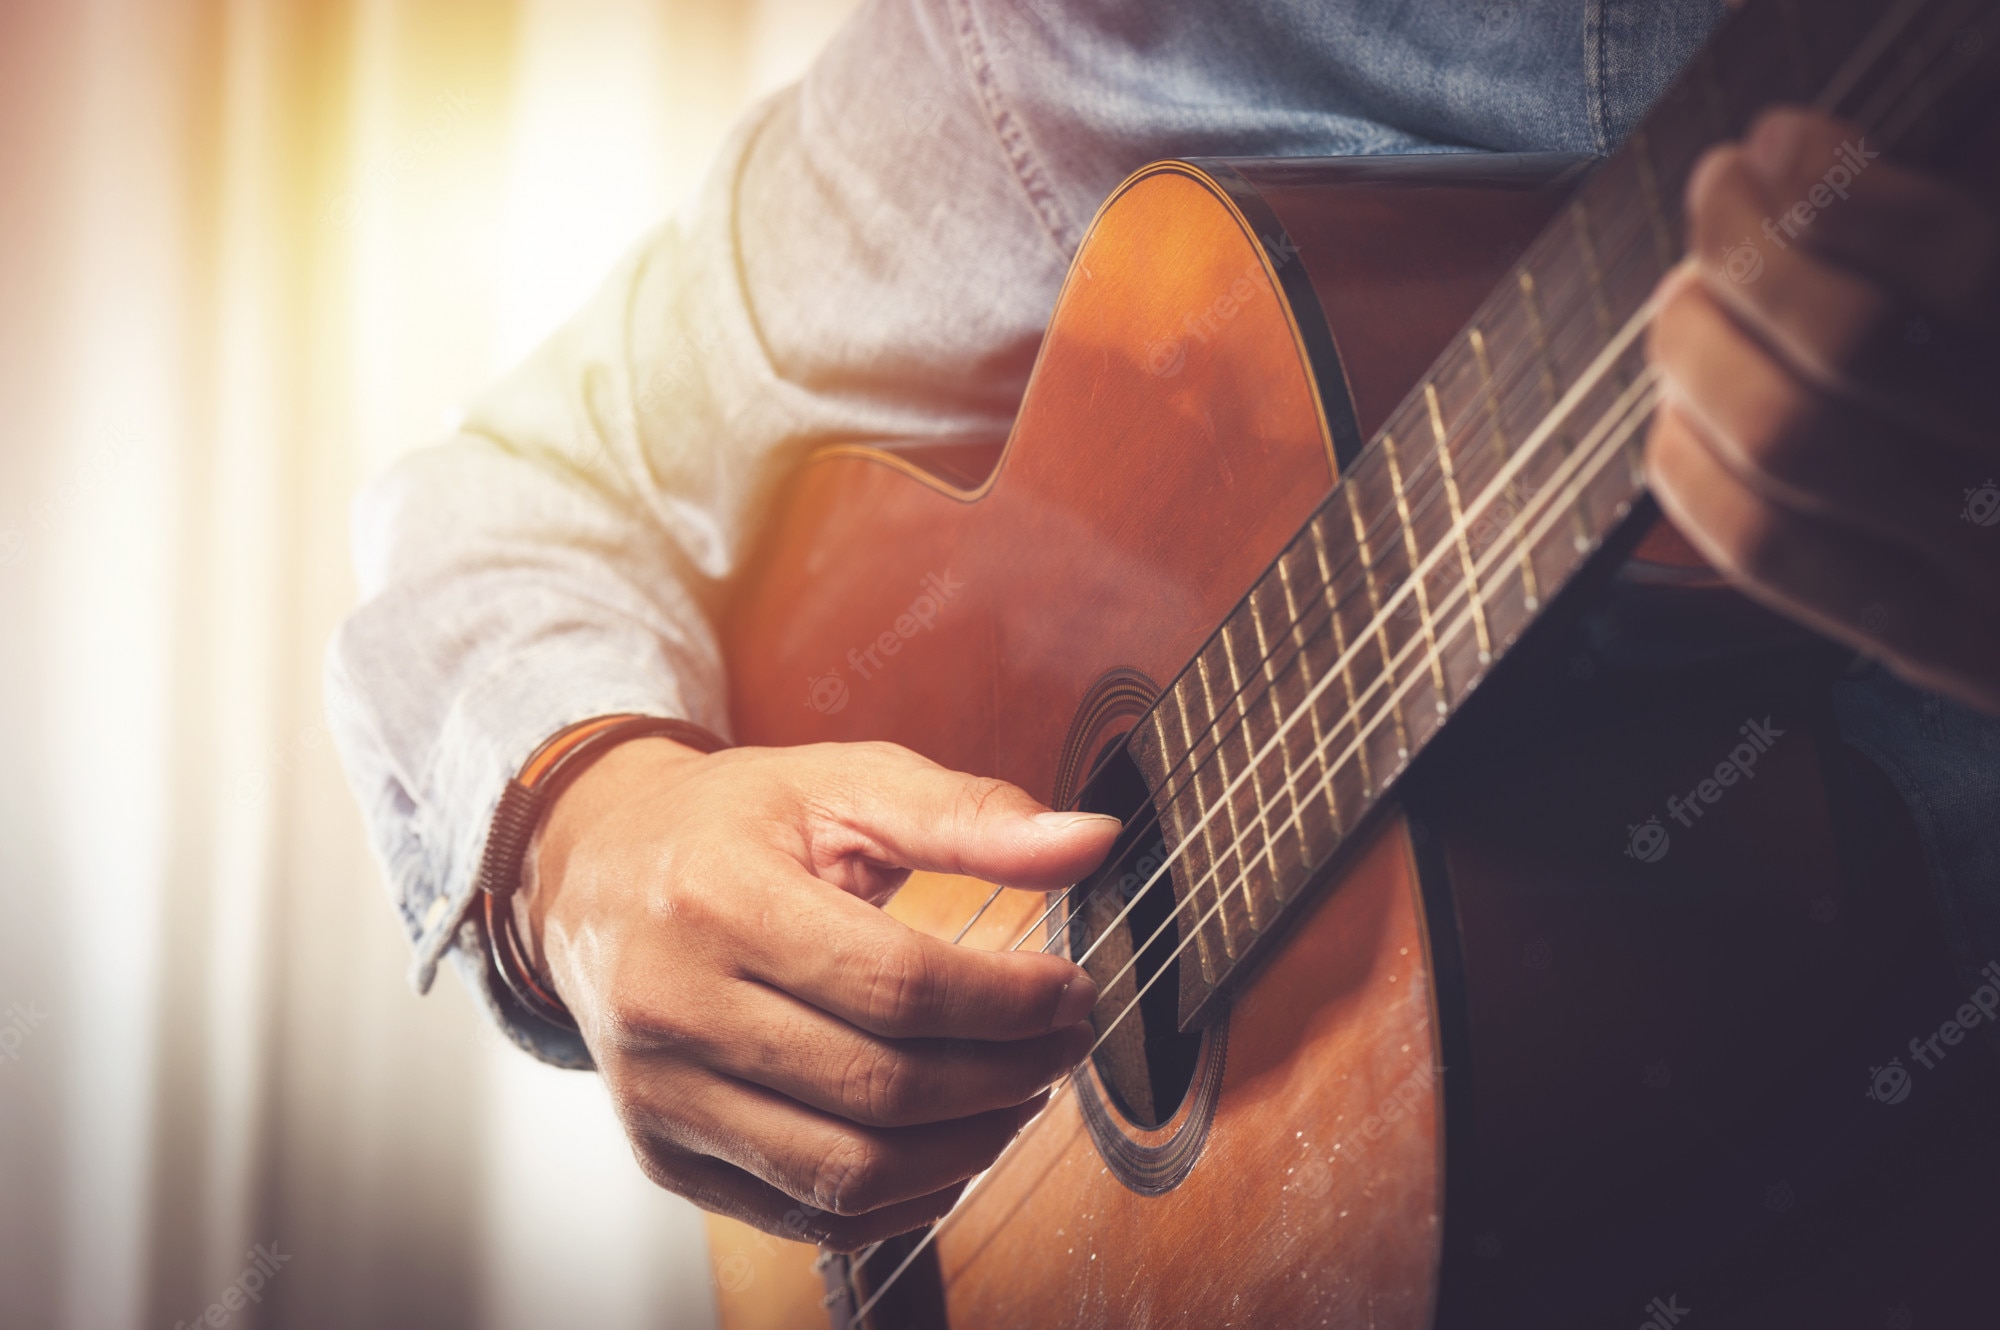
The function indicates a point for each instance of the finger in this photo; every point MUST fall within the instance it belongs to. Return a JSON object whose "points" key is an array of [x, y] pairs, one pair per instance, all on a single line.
{"points": [[832, 1164], [888, 805], [724, 1189], [1804, 449], [776, 1041], [1838, 327], [848, 958], [1835, 196], [1872, 594]]}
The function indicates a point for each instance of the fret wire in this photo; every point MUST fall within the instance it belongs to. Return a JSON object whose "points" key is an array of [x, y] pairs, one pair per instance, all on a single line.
{"points": [[1345, 658], [1580, 220], [1312, 713], [1245, 733], [1458, 525], [1264, 655], [1416, 556], [1201, 822], [1218, 743], [1530, 589], [1380, 622], [1555, 391]]}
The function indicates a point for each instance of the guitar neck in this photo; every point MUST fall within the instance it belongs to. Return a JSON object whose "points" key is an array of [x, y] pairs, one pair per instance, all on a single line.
{"points": [[1508, 469]]}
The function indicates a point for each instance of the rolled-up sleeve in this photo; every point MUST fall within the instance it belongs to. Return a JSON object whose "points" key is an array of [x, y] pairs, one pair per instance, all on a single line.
{"points": [[563, 555]]}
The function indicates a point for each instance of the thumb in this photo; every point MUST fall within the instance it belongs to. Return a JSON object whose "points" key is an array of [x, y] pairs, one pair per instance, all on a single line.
{"points": [[899, 808]]}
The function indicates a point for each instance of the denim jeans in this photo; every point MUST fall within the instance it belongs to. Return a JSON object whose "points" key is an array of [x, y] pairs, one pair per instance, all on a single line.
{"points": [[873, 259]]}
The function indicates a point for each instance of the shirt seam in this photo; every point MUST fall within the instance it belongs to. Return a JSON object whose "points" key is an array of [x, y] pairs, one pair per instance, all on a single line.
{"points": [[1596, 73], [1011, 134]]}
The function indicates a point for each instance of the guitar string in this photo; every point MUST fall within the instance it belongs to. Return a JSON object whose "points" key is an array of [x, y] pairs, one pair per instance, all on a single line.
{"points": [[1425, 488], [1460, 622], [1637, 413], [1299, 633], [1619, 411], [1571, 400]]}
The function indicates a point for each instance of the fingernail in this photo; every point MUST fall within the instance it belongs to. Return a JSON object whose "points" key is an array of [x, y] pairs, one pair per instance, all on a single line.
{"points": [[1065, 821], [1081, 1039], [1773, 146], [1075, 1002]]}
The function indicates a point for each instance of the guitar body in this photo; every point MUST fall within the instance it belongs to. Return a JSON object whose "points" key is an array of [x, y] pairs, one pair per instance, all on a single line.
{"points": [[1493, 1041], [1150, 477]]}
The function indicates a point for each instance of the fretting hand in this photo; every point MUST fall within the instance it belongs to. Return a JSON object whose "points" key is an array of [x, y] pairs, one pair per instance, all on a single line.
{"points": [[1830, 437]]}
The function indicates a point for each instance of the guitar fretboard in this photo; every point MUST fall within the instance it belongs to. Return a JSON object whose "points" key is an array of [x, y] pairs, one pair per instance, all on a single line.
{"points": [[1491, 486]]}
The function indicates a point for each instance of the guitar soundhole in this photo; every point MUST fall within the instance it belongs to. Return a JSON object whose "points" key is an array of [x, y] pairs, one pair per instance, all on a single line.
{"points": [[1144, 1061]]}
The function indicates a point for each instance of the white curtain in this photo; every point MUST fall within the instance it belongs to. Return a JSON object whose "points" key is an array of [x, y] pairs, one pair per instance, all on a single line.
{"points": [[250, 250]]}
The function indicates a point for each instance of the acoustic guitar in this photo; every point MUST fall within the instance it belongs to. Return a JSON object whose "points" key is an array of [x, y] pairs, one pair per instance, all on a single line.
{"points": [[1460, 963]]}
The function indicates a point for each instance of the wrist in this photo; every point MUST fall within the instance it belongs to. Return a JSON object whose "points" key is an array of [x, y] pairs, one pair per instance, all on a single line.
{"points": [[574, 821], [517, 824]]}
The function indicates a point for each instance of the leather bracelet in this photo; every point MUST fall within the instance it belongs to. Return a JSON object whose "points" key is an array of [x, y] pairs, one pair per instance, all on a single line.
{"points": [[545, 775]]}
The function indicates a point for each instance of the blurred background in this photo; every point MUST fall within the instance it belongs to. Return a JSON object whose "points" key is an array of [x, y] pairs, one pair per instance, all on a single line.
{"points": [[251, 250]]}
